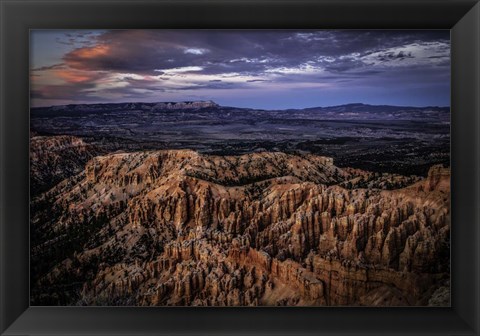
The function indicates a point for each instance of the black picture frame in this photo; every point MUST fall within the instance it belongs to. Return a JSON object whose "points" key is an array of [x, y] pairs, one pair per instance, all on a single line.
{"points": [[17, 17]]}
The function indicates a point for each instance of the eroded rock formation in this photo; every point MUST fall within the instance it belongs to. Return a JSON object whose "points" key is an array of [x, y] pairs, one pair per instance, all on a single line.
{"points": [[54, 158], [180, 228]]}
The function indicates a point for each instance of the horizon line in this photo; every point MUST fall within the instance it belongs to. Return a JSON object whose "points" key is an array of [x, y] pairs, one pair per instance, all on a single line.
{"points": [[256, 108]]}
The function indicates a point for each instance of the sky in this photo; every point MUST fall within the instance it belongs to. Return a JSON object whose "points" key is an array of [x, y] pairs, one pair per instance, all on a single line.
{"points": [[268, 69]]}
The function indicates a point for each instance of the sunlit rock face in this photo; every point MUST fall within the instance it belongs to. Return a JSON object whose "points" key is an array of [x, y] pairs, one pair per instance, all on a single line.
{"points": [[176, 227]]}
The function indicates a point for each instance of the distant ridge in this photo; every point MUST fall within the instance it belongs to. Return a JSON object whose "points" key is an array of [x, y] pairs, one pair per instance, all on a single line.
{"points": [[200, 104], [132, 106]]}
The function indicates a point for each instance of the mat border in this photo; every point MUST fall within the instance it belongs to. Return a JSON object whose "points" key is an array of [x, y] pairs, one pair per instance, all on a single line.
{"points": [[18, 16]]}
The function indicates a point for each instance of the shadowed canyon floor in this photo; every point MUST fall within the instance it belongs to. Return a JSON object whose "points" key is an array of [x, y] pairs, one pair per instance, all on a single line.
{"points": [[175, 227]]}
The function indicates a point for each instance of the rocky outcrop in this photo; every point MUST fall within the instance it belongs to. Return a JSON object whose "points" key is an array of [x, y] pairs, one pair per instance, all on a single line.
{"points": [[55, 158], [184, 105], [180, 228]]}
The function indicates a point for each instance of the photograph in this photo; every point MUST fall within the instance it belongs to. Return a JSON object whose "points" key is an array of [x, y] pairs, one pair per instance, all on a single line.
{"points": [[238, 167]]}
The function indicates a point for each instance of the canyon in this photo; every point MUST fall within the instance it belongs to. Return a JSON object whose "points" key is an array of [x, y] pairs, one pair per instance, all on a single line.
{"points": [[177, 227]]}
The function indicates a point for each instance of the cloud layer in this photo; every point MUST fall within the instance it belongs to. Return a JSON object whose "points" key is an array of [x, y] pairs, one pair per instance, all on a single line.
{"points": [[270, 69]]}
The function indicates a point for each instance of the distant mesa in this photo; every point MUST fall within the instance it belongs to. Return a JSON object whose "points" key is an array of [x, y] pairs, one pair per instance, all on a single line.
{"points": [[132, 106]]}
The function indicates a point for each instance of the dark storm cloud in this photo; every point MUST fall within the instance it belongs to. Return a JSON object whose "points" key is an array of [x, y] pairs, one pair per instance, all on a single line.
{"points": [[238, 51], [50, 67], [77, 39]]}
